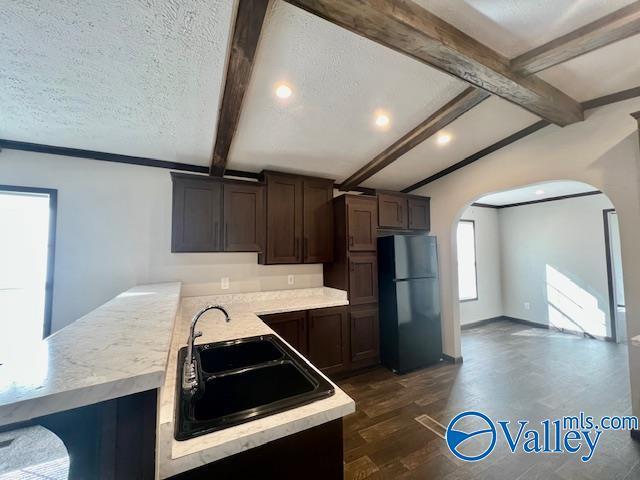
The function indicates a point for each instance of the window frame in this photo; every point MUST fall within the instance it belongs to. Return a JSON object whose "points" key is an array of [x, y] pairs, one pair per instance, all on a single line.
{"points": [[51, 250], [475, 261]]}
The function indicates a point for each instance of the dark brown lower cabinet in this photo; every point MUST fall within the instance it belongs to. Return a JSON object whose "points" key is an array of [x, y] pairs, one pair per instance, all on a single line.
{"points": [[328, 347], [364, 336], [292, 326], [336, 340]]}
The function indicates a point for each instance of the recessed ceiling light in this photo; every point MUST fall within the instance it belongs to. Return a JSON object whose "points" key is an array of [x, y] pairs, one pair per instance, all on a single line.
{"points": [[283, 91], [382, 120], [539, 192], [443, 138]]}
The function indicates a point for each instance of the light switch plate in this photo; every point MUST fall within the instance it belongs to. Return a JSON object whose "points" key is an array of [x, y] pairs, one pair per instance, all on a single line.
{"points": [[224, 283], [527, 306], [290, 279]]}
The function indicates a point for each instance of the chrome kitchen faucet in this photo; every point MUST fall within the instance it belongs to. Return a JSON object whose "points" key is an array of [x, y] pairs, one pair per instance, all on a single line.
{"points": [[190, 366]]}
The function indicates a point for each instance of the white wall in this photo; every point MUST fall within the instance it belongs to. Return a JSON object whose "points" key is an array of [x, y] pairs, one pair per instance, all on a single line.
{"points": [[554, 260], [602, 151], [114, 231], [489, 302]]}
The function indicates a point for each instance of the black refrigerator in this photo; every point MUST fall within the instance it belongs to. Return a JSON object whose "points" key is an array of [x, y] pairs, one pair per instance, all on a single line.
{"points": [[410, 331]]}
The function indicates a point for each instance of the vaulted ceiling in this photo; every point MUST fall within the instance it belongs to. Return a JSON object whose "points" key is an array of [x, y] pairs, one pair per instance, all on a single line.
{"points": [[146, 78]]}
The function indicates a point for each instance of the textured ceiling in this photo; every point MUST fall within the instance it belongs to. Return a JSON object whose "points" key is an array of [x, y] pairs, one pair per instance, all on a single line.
{"points": [[528, 193], [134, 77], [485, 124], [512, 27], [607, 70], [144, 77], [339, 81]]}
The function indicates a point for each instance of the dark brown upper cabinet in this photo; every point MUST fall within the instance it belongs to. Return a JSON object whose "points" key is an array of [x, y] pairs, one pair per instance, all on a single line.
{"points": [[299, 219], [243, 217], [398, 211], [361, 223], [197, 214], [216, 215], [419, 213], [392, 211], [284, 218], [317, 220]]}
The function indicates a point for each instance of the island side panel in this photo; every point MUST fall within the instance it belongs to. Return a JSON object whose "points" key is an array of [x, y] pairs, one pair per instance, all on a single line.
{"points": [[313, 454]]}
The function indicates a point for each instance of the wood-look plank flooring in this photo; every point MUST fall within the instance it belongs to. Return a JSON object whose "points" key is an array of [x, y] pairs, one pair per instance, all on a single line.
{"points": [[510, 371]]}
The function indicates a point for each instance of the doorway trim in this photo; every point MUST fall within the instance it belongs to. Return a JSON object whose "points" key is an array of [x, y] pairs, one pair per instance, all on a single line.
{"points": [[607, 256], [51, 247]]}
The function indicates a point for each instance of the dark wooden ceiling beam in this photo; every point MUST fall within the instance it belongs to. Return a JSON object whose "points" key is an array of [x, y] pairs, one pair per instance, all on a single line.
{"points": [[611, 28], [411, 30], [436, 122], [525, 132], [244, 42]]}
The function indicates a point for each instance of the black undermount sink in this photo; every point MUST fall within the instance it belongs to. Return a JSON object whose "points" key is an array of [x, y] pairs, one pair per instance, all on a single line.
{"points": [[243, 380]]}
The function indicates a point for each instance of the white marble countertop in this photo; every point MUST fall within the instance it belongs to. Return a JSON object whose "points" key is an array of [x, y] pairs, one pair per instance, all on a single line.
{"points": [[175, 457], [116, 350]]}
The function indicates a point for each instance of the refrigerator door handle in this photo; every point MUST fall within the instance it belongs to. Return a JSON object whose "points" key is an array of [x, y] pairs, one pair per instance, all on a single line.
{"points": [[412, 278]]}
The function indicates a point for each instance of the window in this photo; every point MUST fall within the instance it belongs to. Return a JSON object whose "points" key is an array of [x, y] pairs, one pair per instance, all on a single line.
{"points": [[27, 223], [467, 277]]}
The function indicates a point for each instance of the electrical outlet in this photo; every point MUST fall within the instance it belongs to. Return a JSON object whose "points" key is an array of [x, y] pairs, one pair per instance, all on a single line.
{"points": [[290, 279], [224, 283], [527, 306]]}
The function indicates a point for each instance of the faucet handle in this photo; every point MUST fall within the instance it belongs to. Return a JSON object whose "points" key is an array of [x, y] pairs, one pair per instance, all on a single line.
{"points": [[197, 334]]}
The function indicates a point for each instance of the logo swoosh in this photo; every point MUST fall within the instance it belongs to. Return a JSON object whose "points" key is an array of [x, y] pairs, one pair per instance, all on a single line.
{"points": [[456, 437]]}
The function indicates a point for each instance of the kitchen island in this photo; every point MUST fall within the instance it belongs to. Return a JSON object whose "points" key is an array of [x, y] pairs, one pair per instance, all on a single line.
{"points": [[106, 383]]}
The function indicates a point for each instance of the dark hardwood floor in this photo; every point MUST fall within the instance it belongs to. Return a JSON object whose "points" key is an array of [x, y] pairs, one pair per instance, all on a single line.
{"points": [[510, 372]]}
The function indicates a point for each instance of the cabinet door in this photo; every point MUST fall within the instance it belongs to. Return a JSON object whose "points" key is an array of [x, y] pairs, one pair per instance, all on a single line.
{"points": [[243, 217], [292, 326], [392, 211], [363, 279], [284, 219], [328, 333], [362, 224], [317, 220], [364, 335], [419, 213], [197, 215]]}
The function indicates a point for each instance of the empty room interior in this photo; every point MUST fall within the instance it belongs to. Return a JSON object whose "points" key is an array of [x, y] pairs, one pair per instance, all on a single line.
{"points": [[320, 239]]}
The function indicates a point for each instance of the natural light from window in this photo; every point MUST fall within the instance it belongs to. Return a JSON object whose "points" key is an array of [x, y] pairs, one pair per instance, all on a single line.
{"points": [[467, 280], [24, 220], [571, 307]]}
